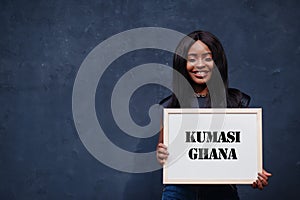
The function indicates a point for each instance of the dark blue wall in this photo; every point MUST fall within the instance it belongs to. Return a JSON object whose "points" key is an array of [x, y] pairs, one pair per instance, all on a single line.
{"points": [[43, 43]]}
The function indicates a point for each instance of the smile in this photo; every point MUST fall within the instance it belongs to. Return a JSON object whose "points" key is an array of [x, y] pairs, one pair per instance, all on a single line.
{"points": [[201, 73]]}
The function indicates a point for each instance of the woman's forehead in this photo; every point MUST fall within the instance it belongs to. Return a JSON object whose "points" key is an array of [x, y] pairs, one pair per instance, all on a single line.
{"points": [[199, 48]]}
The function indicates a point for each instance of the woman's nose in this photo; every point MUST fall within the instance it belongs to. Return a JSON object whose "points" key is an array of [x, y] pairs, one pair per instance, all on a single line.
{"points": [[199, 64]]}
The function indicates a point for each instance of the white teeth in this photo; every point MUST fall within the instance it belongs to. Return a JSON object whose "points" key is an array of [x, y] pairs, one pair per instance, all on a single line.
{"points": [[201, 72]]}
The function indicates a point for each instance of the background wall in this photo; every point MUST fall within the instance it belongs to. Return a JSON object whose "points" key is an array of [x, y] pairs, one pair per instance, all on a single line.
{"points": [[42, 45]]}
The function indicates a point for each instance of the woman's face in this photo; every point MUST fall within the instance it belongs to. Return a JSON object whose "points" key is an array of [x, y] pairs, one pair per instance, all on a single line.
{"points": [[199, 63]]}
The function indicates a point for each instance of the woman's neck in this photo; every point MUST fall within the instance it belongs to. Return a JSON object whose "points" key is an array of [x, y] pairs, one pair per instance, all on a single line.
{"points": [[201, 89]]}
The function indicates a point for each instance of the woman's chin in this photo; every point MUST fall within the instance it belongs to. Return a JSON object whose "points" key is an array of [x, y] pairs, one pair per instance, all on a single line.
{"points": [[200, 81]]}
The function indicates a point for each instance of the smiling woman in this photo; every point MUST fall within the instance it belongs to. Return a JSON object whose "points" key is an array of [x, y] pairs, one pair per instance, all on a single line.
{"points": [[199, 60]]}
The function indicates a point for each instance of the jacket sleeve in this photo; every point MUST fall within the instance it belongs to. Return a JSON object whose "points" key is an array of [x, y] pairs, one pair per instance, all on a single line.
{"points": [[245, 100], [238, 99]]}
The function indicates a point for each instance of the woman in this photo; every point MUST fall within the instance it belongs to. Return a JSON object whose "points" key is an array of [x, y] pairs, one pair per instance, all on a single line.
{"points": [[200, 57]]}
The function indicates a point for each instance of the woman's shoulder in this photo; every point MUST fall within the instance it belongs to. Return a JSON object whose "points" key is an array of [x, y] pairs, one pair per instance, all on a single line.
{"points": [[239, 98], [166, 101], [236, 99]]}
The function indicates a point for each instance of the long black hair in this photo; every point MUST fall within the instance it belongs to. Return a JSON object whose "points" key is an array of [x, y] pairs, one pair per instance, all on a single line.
{"points": [[233, 96]]}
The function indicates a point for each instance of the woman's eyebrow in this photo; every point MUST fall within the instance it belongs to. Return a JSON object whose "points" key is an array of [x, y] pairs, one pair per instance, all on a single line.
{"points": [[204, 54], [207, 53], [192, 54]]}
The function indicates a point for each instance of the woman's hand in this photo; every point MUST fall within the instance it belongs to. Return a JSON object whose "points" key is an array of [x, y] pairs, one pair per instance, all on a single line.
{"points": [[262, 180], [161, 153]]}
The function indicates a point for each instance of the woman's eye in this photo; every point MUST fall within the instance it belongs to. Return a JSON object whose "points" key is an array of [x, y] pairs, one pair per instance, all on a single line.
{"points": [[192, 60], [208, 59]]}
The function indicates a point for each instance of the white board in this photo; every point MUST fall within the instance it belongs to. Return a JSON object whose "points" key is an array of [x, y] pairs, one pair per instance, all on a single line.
{"points": [[212, 146]]}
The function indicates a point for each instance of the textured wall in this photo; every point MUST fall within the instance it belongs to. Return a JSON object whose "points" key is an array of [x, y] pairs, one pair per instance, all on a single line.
{"points": [[43, 44]]}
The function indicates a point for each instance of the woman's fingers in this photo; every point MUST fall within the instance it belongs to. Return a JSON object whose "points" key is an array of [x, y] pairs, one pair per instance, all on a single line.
{"points": [[161, 145], [259, 184], [266, 173], [161, 161], [162, 153], [262, 176], [263, 181], [162, 156], [162, 150]]}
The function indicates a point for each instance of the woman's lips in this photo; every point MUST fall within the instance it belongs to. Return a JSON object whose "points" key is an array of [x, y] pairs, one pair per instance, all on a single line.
{"points": [[200, 74]]}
